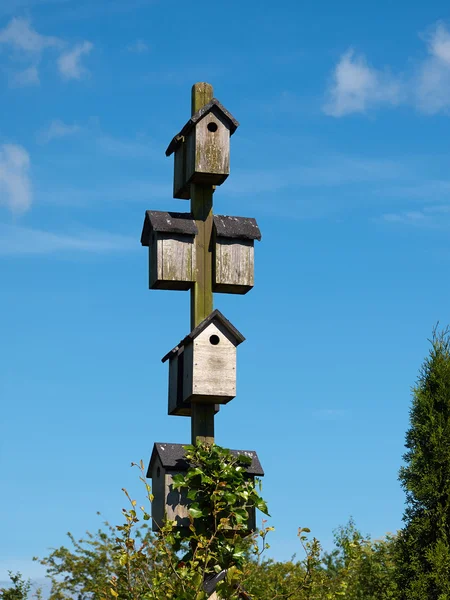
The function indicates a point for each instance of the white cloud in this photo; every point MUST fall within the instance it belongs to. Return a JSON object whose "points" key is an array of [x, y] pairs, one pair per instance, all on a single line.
{"points": [[432, 84], [357, 87], [138, 47], [29, 44], [431, 217], [15, 184], [21, 36], [29, 76], [69, 63], [22, 240], [57, 129]]}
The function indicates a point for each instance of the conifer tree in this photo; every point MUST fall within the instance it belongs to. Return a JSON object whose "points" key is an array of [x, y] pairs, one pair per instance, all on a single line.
{"points": [[424, 543]]}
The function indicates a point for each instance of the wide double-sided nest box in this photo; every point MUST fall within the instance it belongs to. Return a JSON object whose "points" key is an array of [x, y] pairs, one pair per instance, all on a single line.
{"points": [[202, 367], [234, 254], [202, 149], [170, 238], [168, 460]]}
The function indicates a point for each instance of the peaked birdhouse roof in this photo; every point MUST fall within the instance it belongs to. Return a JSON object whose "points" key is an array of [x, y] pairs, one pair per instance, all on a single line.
{"points": [[167, 222], [172, 457], [236, 227], [217, 316], [213, 106]]}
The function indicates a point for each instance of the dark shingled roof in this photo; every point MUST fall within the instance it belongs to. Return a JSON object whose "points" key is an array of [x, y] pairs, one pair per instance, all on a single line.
{"points": [[172, 458], [214, 106], [236, 227], [215, 315], [167, 222]]}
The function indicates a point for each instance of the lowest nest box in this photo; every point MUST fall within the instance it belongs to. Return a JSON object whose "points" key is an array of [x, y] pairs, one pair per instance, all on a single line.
{"points": [[202, 367], [168, 460], [202, 149]]}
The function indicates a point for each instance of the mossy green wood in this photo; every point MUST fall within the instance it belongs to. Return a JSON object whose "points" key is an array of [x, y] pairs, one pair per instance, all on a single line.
{"points": [[202, 419]]}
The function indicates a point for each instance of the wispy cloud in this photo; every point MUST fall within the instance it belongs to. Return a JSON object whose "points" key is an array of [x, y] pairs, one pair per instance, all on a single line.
{"points": [[20, 35], [69, 63], [57, 129], [429, 217], [15, 184], [329, 170], [22, 240], [357, 87], [29, 45], [29, 76], [138, 47], [433, 80]]}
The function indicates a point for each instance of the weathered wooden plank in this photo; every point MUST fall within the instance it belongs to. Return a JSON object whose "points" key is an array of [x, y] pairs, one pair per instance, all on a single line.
{"points": [[201, 94], [214, 360], [172, 261], [208, 151], [177, 258], [176, 501], [202, 419], [202, 423], [233, 265], [181, 188]]}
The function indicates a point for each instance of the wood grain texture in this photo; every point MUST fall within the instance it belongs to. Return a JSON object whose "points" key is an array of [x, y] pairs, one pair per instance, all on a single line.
{"points": [[176, 502], [210, 369], [201, 94], [233, 265], [167, 501], [158, 503], [202, 423], [202, 418], [181, 188], [208, 152], [172, 261], [201, 294]]}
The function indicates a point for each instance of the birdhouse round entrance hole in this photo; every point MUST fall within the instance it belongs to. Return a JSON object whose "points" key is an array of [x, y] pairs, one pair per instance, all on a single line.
{"points": [[214, 340], [212, 127]]}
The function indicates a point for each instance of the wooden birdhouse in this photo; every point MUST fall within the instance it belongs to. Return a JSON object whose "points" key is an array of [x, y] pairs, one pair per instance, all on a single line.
{"points": [[170, 238], [177, 406], [168, 460], [202, 149], [233, 254], [202, 367]]}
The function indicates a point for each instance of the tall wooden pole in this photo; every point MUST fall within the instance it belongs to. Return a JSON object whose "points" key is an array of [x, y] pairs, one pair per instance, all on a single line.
{"points": [[202, 419]]}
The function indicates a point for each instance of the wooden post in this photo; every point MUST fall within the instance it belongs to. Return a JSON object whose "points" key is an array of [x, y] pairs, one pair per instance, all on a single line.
{"points": [[202, 420]]}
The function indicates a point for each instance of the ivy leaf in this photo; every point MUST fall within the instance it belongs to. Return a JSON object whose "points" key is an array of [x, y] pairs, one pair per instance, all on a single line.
{"points": [[262, 506], [196, 513], [178, 481], [244, 460]]}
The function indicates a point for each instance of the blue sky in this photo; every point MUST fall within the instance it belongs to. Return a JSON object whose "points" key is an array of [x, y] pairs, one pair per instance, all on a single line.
{"points": [[342, 157]]}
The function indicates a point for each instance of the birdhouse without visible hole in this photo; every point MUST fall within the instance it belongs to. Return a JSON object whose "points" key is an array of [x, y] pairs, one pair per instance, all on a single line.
{"points": [[170, 238], [177, 407], [202, 367], [233, 259], [168, 460], [202, 149]]}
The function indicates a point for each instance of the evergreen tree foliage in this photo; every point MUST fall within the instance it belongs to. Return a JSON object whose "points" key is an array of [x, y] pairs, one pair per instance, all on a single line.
{"points": [[424, 543]]}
